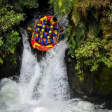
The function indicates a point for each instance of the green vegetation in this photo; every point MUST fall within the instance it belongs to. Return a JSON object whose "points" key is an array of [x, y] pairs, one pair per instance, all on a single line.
{"points": [[89, 35], [20, 5], [9, 18], [11, 14]]}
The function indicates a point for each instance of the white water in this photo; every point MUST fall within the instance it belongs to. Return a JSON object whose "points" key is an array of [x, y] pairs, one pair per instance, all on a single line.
{"points": [[42, 87]]}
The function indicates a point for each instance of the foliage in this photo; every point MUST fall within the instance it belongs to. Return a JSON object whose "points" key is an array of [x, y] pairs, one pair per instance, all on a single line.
{"points": [[90, 55], [89, 36], [8, 45], [12, 39], [90, 22], [76, 38], [21, 4], [62, 7], [11, 14], [9, 18]]}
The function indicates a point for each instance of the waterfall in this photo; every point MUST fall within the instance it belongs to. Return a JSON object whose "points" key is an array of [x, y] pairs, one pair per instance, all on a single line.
{"points": [[43, 86], [30, 71], [54, 82], [51, 71]]}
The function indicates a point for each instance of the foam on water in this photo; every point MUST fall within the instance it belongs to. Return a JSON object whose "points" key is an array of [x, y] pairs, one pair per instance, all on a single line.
{"points": [[42, 87]]}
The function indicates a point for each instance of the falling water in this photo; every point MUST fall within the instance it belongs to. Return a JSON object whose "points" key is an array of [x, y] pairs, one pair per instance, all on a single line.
{"points": [[43, 86], [30, 71], [54, 83]]}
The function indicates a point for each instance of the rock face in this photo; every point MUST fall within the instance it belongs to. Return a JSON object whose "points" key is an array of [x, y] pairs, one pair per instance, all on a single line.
{"points": [[95, 87]]}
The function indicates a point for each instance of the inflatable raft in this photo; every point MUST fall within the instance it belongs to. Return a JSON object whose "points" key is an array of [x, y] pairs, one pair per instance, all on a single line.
{"points": [[45, 33]]}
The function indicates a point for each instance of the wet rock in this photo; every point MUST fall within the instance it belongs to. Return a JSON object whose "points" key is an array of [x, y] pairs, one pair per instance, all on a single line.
{"points": [[87, 88]]}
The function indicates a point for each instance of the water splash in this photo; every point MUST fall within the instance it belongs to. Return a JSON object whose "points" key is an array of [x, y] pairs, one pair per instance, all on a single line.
{"points": [[42, 87], [28, 61], [30, 71]]}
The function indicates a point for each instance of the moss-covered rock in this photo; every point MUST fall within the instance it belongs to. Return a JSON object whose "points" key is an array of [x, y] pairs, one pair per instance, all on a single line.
{"points": [[103, 80]]}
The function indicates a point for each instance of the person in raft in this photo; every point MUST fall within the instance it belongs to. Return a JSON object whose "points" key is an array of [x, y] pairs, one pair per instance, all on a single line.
{"points": [[46, 30]]}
